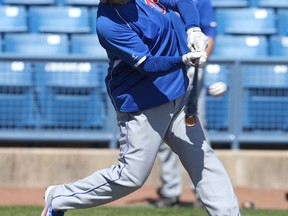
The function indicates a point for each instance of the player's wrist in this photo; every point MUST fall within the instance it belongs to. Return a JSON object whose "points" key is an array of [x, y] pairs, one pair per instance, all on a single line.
{"points": [[193, 29]]}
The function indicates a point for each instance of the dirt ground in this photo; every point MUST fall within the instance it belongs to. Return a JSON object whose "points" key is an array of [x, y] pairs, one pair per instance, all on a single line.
{"points": [[264, 199]]}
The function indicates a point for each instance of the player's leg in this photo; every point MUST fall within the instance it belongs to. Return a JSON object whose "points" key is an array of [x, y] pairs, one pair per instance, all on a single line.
{"points": [[202, 113], [211, 181], [170, 175], [141, 134]]}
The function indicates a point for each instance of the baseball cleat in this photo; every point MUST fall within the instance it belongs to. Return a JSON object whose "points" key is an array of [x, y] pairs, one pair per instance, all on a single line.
{"points": [[48, 211], [167, 202]]}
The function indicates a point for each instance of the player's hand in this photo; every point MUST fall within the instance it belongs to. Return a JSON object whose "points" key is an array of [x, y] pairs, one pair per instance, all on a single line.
{"points": [[196, 40], [189, 58]]}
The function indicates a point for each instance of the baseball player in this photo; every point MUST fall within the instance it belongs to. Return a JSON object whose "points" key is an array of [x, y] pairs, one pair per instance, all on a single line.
{"points": [[146, 44], [170, 173]]}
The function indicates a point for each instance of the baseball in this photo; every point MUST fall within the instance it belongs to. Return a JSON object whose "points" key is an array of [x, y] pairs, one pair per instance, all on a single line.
{"points": [[217, 89]]}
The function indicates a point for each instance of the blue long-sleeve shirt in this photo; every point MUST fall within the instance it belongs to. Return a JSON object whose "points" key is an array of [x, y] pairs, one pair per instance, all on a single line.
{"points": [[145, 68]]}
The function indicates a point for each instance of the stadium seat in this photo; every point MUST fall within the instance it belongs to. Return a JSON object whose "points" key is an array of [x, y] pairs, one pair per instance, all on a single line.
{"points": [[265, 113], [217, 109], [234, 47], [265, 76], [1, 45], [30, 2], [88, 45], [246, 21], [93, 15], [265, 102], [278, 46], [13, 19], [229, 3], [16, 95], [69, 96], [36, 44], [282, 22], [269, 3], [81, 2], [59, 19]]}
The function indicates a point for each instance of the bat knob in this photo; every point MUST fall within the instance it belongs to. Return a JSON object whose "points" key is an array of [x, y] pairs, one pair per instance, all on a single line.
{"points": [[190, 121]]}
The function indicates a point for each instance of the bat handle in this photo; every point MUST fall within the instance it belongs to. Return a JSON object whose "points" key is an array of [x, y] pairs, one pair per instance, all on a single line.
{"points": [[191, 112]]}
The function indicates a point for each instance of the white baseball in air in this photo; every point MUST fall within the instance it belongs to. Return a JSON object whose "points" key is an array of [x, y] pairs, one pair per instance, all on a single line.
{"points": [[217, 89]]}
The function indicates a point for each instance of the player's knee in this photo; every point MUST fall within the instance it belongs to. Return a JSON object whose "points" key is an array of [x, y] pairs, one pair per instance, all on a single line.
{"points": [[137, 182], [134, 181]]}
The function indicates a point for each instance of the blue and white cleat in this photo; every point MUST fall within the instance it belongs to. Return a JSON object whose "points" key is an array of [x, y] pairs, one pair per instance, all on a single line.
{"points": [[48, 211]]}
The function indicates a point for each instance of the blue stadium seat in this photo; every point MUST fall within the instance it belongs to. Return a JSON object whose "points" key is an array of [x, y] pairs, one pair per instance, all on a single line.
{"points": [[265, 105], [59, 19], [1, 44], [230, 3], [36, 44], [13, 19], [238, 46], [70, 96], [278, 46], [93, 15], [217, 109], [88, 45], [282, 22], [265, 76], [81, 2], [269, 3], [265, 112], [30, 2], [246, 21], [16, 95]]}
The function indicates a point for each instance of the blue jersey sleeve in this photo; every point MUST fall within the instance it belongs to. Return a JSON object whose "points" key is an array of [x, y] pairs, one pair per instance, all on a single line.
{"points": [[207, 17], [187, 10], [121, 42]]}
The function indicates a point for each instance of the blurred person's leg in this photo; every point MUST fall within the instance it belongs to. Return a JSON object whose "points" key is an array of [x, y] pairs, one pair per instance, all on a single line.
{"points": [[170, 175]]}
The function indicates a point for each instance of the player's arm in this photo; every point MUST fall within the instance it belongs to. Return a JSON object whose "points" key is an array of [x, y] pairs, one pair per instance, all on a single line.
{"points": [[187, 10], [196, 40], [124, 44], [210, 46], [207, 23]]}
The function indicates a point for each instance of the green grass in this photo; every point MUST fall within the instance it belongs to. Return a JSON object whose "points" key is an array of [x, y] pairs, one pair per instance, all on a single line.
{"points": [[131, 211]]}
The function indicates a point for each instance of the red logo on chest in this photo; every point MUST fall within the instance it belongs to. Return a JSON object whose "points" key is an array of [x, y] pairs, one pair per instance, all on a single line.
{"points": [[155, 4]]}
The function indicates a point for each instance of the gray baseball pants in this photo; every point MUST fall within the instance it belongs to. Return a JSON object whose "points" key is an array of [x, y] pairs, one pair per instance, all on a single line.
{"points": [[141, 134], [170, 173]]}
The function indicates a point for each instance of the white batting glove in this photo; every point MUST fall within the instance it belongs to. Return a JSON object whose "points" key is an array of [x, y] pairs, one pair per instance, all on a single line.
{"points": [[189, 58], [196, 40]]}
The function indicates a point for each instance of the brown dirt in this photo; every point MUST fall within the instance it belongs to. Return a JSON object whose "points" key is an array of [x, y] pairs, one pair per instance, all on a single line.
{"points": [[264, 199]]}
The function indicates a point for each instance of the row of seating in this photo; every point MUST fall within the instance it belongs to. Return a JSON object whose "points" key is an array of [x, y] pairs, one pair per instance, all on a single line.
{"points": [[48, 19], [72, 96], [54, 19], [252, 21], [52, 45], [234, 47], [215, 3], [52, 95], [264, 96], [88, 45], [250, 3], [50, 2]]}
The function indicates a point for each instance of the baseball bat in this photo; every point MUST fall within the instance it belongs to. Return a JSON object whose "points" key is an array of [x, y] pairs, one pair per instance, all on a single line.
{"points": [[191, 106]]}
